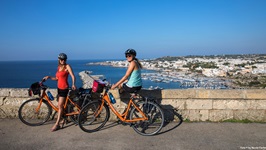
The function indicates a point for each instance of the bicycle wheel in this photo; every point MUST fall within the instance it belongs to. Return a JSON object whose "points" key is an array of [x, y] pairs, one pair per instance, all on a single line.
{"points": [[29, 114], [155, 116], [72, 109], [90, 119]]}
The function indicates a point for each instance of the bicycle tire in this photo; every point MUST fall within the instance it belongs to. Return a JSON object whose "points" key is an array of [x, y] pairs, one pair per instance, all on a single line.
{"points": [[155, 120], [72, 108], [81, 103], [87, 121], [27, 113]]}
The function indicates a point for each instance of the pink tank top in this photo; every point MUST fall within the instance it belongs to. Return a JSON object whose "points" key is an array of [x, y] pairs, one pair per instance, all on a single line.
{"points": [[62, 77]]}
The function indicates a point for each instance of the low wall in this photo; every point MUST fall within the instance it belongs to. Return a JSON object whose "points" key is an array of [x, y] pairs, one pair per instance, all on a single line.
{"points": [[192, 104]]}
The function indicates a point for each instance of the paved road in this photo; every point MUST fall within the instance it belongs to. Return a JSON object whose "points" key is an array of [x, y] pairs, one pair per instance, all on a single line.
{"points": [[14, 135]]}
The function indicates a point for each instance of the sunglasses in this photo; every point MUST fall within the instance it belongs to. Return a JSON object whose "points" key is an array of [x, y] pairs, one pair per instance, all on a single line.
{"points": [[128, 56], [62, 59]]}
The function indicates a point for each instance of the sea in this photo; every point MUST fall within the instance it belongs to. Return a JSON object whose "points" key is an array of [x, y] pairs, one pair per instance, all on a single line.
{"points": [[21, 74]]}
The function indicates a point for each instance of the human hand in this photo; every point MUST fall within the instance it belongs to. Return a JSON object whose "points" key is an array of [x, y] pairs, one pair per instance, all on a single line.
{"points": [[46, 77], [113, 87], [74, 87]]}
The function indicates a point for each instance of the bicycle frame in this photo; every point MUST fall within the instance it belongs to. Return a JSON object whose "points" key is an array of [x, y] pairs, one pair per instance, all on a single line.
{"points": [[122, 117], [44, 96]]}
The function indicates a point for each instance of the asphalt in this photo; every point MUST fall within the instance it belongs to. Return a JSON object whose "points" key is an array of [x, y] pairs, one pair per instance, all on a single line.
{"points": [[14, 135]]}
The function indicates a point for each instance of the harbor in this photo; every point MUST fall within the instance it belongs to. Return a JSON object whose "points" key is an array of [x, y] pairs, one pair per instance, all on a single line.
{"points": [[186, 81], [171, 79], [163, 79]]}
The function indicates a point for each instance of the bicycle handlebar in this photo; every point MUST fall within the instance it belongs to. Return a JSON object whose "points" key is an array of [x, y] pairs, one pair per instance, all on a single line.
{"points": [[107, 84], [41, 83], [45, 86]]}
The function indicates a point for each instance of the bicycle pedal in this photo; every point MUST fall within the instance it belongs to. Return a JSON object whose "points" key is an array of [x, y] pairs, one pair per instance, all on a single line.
{"points": [[126, 124], [119, 122], [66, 122]]}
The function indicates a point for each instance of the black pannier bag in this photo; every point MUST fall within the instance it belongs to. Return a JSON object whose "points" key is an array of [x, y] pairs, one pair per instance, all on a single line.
{"points": [[73, 94], [79, 95], [34, 89]]}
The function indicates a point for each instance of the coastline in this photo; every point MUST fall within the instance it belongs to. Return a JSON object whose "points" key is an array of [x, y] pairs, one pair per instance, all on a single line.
{"points": [[241, 73], [247, 71], [184, 79]]}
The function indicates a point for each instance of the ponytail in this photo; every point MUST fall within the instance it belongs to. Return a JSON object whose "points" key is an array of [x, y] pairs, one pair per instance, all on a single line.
{"points": [[140, 65]]}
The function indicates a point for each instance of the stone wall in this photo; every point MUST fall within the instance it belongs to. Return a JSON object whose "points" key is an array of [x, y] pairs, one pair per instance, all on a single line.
{"points": [[192, 104]]}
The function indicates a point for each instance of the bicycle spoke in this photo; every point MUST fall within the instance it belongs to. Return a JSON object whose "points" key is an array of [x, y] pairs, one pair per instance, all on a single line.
{"points": [[93, 116], [155, 119], [33, 114]]}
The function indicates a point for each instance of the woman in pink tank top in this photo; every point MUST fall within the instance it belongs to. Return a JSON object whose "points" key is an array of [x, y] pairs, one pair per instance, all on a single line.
{"points": [[61, 77]]}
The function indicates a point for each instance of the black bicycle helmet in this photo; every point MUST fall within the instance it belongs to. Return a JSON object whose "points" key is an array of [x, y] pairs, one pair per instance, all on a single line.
{"points": [[131, 51], [62, 56]]}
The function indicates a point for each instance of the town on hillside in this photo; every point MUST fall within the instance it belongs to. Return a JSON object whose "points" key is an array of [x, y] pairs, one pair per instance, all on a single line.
{"points": [[213, 71]]}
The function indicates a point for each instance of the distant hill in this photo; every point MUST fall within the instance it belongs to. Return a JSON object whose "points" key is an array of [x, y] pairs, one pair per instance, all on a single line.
{"points": [[235, 56]]}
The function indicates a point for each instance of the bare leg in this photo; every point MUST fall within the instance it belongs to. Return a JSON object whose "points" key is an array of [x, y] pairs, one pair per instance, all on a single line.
{"points": [[61, 101]]}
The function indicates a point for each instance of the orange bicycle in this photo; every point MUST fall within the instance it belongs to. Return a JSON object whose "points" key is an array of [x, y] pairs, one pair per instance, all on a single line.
{"points": [[145, 116], [37, 111]]}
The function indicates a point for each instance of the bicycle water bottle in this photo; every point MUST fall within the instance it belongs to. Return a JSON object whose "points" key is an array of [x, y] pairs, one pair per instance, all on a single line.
{"points": [[113, 101], [50, 95]]}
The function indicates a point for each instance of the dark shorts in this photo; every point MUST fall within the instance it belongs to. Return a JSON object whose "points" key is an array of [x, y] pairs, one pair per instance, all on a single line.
{"points": [[131, 89], [62, 93]]}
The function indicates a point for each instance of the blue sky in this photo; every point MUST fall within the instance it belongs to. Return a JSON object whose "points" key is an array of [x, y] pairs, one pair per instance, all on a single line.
{"points": [[95, 29]]}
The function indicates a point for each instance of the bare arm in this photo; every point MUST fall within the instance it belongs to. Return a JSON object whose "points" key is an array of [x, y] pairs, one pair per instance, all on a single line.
{"points": [[130, 68], [72, 76], [49, 77]]}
